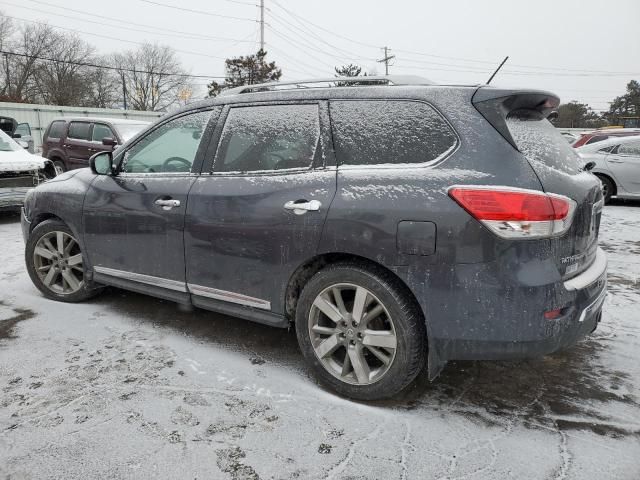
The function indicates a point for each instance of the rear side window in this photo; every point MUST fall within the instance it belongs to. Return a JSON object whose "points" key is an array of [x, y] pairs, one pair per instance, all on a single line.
{"points": [[374, 132], [540, 141], [79, 130], [101, 131], [596, 139], [56, 130], [632, 149], [269, 137]]}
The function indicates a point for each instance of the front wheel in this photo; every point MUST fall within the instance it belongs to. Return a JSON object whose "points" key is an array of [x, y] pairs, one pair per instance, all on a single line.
{"points": [[56, 264], [607, 189], [360, 332]]}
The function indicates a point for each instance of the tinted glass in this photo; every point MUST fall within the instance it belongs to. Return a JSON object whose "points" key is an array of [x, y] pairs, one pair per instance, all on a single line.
{"points": [[630, 149], [79, 130], [596, 139], [540, 141], [388, 132], [169, 148], [272, 137], [101, 131], [56, 130]]}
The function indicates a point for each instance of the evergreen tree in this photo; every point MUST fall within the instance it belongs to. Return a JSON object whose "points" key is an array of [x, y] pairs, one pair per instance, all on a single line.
{"points": [[246, 70]]}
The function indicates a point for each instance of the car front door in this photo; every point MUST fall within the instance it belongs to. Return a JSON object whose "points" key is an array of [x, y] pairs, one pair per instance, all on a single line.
{"points": [[77, 146], [134, 220], [625, 166], [99, 132], [258, 215]]}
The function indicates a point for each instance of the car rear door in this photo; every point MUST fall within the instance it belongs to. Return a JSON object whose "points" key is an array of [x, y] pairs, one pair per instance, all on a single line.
{"points": [[258, 213], [134, 221], [624, 163], [77, 145]]}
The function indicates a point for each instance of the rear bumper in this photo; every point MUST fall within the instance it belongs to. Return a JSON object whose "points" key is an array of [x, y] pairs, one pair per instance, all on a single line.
{"points": [[496, 321]]}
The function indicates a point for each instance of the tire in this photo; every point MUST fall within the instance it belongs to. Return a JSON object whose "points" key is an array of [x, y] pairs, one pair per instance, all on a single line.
{"points": [[607, 188], [326, 344], [59, 165], [52, 272]]}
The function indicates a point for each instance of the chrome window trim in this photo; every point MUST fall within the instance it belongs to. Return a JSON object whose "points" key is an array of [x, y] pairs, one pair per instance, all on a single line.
{"points": [[141, 278], [226, 296]]}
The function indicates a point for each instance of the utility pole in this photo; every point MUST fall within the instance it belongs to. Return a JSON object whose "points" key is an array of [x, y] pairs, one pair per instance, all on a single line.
{"points": [[386, 60], [261, 24], [124, 90]]}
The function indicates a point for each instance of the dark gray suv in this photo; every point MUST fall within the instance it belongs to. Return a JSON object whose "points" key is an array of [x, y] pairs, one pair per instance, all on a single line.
{"points": [[397, 226]]}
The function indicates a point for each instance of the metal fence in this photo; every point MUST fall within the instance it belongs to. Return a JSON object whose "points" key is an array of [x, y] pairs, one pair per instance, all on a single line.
{"points": [[39, 116]]}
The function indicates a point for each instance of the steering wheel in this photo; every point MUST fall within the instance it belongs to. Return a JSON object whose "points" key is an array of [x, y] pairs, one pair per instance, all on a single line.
{"points": [[184, 161]]}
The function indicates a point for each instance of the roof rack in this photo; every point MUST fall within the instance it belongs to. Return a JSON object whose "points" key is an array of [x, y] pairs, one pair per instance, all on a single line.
{"points": [[329, 82]]}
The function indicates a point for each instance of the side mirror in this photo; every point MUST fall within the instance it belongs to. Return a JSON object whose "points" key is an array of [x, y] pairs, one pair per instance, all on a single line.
{"points": [[109, 142], [16, 135], [102, 163]]}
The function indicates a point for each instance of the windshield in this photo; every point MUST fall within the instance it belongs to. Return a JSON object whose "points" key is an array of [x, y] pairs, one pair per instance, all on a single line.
{"points": [[128, 130], [8, 144]]}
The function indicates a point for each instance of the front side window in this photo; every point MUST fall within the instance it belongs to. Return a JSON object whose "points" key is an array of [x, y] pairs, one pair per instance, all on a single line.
{"points": [[170, 148], [632, 149], [79, 130], [101, 131], [375, 132], [24, 130], [268, 138], [56, 130]]}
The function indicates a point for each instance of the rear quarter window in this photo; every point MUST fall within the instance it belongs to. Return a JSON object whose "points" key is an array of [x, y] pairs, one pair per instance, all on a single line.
{"points": [[540, 141], [378, 132]]}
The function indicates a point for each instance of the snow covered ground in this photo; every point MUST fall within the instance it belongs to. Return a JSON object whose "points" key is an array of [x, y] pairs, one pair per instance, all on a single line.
{"points": [[126, 386]]}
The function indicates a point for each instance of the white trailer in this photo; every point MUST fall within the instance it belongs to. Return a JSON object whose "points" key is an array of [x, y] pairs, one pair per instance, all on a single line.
{"points": [[38, 117]]}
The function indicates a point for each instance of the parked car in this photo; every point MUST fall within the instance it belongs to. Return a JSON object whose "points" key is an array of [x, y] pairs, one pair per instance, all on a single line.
{"points": [[394, 225], [617, 165], [600, 135], [16, 130], [19, 172], [70, 142]]}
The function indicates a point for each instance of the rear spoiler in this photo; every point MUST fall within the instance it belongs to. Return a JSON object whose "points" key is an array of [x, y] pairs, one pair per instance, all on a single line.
{"points": [[496, 104]]}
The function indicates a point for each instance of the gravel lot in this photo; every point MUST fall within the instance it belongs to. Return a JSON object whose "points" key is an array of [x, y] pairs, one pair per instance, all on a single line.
{"points": [[127, 386]]}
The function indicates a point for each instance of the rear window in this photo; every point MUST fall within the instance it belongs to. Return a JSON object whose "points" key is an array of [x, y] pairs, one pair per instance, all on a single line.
{"points": [[541, 142], [56, 130], [374, 132], [79, 130]]}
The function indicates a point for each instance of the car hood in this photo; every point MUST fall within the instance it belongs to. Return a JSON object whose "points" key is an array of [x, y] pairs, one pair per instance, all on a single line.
{"points": [[20, 161]]}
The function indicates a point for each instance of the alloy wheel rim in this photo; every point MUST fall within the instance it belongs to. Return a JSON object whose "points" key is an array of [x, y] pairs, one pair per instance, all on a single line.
{"points": [[352, 334], [58, 263]]}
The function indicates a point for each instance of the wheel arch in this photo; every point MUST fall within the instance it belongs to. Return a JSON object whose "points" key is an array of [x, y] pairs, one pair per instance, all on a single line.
{"points": [[599, 173]]}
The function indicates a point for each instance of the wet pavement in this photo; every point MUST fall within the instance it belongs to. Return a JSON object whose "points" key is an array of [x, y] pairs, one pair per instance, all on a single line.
{"points": [[127, 386]]}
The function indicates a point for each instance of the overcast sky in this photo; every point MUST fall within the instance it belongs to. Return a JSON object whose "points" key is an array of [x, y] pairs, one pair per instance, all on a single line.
{"points": [[581, 50]]}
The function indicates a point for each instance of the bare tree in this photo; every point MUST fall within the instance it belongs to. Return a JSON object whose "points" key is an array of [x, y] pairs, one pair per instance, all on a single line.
{"points": [[31, 42], [105, 91], [153, 76], [66, 81]]}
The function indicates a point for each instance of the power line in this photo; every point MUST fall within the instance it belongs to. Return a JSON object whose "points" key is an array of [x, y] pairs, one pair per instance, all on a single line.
{"points": [[102, 17], [110, 38], [105, 67], [199, 12], [386, 60]]}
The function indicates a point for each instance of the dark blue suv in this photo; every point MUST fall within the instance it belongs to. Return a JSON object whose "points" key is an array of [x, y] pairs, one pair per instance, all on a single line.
{"points": [[397, 224]]}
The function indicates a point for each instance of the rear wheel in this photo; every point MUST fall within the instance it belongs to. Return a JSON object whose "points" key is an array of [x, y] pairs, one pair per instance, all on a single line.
{"points": [[360, 333], [56, 264], [607, 188]]}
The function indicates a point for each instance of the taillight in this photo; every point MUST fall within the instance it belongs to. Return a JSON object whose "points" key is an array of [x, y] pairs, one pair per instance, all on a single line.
{"points": [[516, 213]]}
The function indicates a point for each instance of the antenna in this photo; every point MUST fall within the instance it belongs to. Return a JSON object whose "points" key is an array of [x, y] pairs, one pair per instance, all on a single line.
{"points": [[498, 69]]}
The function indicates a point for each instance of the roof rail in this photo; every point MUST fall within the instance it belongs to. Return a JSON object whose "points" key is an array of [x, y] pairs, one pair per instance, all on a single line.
{"points": [[330, 82]]}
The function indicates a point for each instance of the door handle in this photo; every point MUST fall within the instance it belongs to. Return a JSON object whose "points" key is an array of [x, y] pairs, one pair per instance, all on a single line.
{"points": [[167, 204], [302, 207]]}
